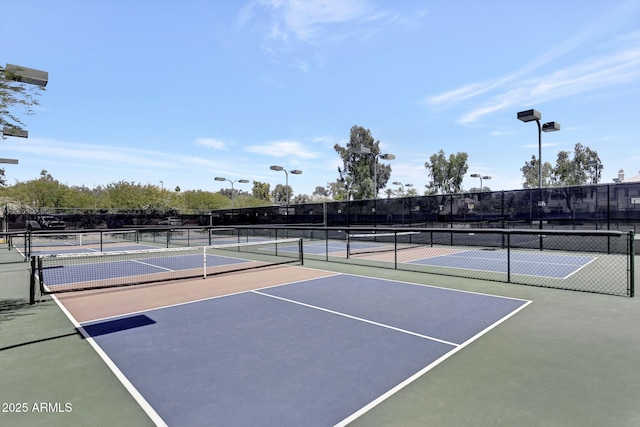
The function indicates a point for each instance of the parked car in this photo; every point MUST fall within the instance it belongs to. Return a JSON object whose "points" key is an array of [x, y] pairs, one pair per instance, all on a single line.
{"points": [[170, 220], [45, 222]]}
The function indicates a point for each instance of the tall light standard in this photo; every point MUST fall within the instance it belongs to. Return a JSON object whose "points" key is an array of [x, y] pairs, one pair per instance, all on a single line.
{"points": [[402, 186], [595, 164], [361, 149], [294, 172], [243, 181], [529, 116], [477, 175], [22, 75]]}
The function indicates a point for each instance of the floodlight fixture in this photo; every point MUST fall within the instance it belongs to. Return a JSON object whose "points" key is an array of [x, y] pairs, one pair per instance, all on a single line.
{"points": [[243, 181], [534, 115], [361, 149], [529, 115], [477, 175], [294, 172], [9, 161], [14, 131], [550, 127], [27, 75]]}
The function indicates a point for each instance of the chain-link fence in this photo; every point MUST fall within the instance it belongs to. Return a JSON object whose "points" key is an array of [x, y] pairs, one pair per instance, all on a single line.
{"points": [[596, 261], [587, 261]]}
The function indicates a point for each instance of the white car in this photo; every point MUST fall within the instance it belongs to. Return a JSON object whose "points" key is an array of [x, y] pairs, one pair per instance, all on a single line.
{"points": [[170, 220]]}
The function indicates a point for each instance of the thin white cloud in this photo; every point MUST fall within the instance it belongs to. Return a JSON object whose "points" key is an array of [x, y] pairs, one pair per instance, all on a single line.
{"points": [[598, 71], [306, 21], [291, 26], [283, 149], [211, 142], [101, 154]]}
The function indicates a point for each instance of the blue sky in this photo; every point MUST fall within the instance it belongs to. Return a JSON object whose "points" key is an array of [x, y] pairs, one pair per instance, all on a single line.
{"points": [[183, 91]]}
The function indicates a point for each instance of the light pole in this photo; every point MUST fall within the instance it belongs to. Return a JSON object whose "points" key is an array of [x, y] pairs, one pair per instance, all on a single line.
{"points": [[243, 181], [365, 150], [22, 75], [402, 186], [477, 175], [529, 116], [361, 149], [294, 172], [597, 165]]}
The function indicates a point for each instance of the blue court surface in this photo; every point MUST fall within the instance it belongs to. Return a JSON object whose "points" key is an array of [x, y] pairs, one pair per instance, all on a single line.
{"points": [[559, 266], [317, 352]]}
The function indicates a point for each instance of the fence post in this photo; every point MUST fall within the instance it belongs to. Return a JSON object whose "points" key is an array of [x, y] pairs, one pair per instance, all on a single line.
{"points": [[632, 255], [508, 257]]}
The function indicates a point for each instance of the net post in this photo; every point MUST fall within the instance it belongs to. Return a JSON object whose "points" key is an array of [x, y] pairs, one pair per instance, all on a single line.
{"points": [[32, 282], [348, 243], [326, 240], [204, 262], [300, 252], [395, 250]]}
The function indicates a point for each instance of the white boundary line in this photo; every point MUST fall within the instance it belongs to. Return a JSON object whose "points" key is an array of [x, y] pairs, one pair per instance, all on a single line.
{"points": [[155, 417], [360, 319], [146, 407], [423, 371]]}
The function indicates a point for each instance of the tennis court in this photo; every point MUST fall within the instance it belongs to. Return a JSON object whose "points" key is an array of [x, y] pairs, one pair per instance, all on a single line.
{"points": [[320, 349], [354, 342], [551, 265]]}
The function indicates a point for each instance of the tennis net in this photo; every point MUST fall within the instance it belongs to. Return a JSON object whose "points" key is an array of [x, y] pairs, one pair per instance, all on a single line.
{"points": [[83, 271], [366, 243], [95, 239]]}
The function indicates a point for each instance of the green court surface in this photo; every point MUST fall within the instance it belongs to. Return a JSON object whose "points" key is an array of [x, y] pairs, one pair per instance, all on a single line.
{"points": [[568, 359]]}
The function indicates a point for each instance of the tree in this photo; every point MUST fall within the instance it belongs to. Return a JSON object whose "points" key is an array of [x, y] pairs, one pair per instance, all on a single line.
{"points": [[446, 174], [281, 192], [358, 170], [530, 173], [338, 190], [44, 192], [567, 171], [321, 191], [260, 190], [576, 171], [203, 202]]}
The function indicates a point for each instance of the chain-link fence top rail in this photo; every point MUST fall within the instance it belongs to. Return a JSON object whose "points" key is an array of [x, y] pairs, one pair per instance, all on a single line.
{"points": [[580, 260]]}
